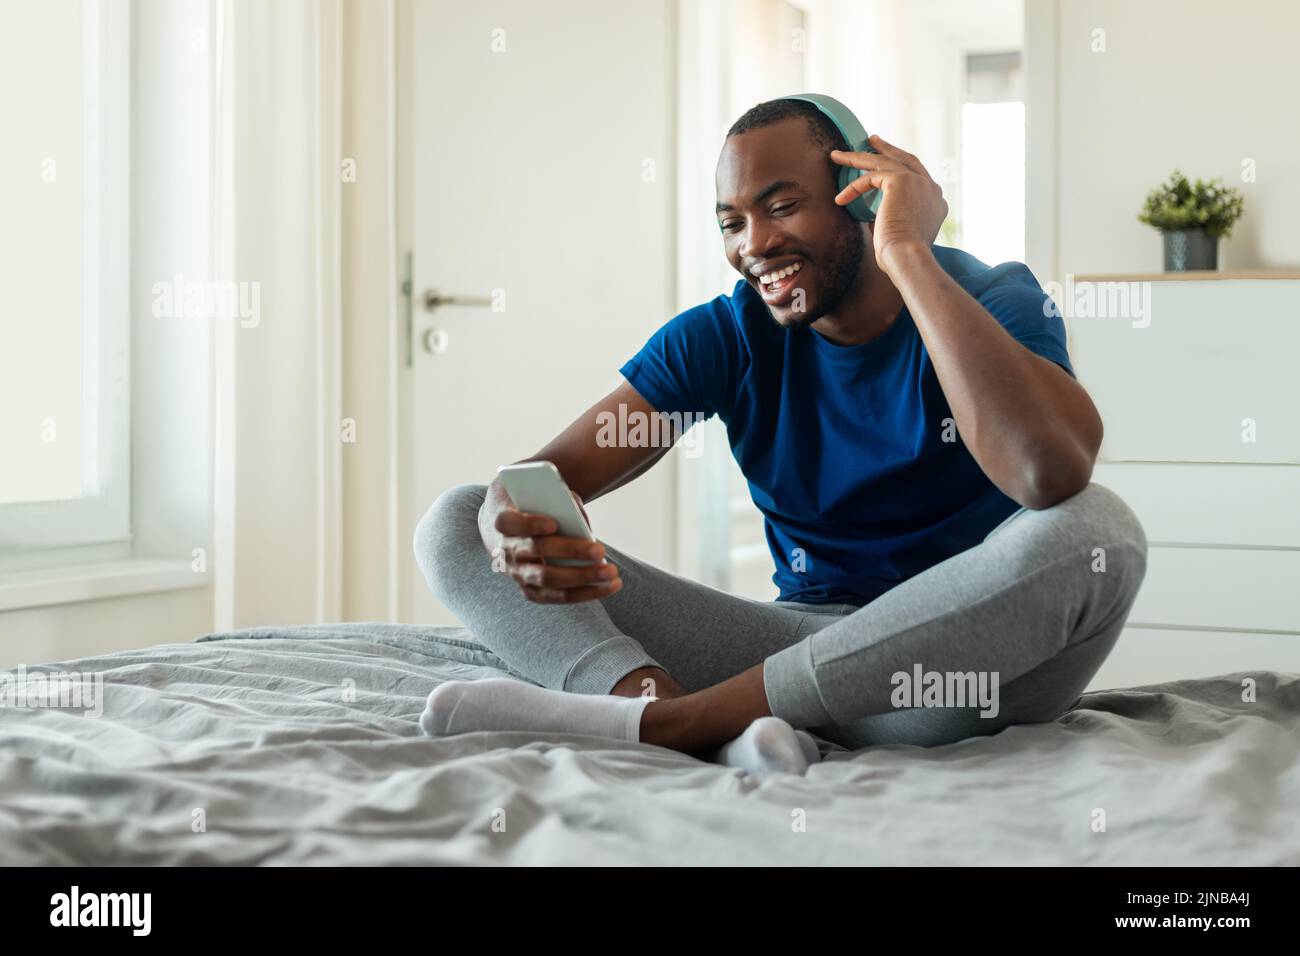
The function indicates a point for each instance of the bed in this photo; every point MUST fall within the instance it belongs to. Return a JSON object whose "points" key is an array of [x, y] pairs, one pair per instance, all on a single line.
{"points": [[299, 745]]}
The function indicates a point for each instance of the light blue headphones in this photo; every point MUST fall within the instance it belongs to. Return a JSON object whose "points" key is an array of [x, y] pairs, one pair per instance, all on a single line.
{"points": [[864, 207]]}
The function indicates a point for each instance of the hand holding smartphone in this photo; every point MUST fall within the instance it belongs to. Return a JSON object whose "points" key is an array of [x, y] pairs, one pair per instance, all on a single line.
{"points": [[536, 487]]}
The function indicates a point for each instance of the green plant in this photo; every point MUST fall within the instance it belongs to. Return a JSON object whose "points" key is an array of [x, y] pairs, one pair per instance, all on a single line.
{"points": [[1178, 204]]}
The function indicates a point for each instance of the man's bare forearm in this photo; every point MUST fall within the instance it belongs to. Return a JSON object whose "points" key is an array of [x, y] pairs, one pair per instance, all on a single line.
{"points": [[1030, 426], [590, 466]]}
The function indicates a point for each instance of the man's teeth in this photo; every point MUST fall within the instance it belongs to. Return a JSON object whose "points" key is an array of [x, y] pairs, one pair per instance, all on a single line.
{"points": [[780, 274]]}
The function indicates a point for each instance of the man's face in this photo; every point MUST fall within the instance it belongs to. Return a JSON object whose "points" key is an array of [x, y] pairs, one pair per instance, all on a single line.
{"points": [[776, 210]]}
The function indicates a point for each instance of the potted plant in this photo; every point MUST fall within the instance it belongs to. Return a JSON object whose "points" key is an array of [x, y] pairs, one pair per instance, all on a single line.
{"points": [[1192, 219]]}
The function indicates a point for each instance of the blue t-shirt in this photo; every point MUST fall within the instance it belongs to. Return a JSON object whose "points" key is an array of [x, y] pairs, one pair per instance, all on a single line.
{"points": [[843, 446]]}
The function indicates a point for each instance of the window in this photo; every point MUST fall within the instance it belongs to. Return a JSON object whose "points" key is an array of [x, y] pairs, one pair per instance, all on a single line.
{"points": [[993, 158], [64, 246]]}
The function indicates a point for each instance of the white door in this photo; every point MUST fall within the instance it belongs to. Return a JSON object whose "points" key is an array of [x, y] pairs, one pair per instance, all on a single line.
{"points": [[542, 190]]}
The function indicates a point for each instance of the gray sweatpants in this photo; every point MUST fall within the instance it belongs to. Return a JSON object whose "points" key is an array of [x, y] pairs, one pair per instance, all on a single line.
{"points": [[1034, 608]]}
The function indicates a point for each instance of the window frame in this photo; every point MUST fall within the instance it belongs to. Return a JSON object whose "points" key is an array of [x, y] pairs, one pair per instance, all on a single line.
{"points": [[98, 524]]}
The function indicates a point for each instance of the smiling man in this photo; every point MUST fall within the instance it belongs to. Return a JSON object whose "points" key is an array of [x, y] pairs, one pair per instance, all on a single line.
{"points": [[911, 428]]}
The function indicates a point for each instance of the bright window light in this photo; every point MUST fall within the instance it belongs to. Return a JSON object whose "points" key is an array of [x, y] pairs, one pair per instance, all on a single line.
{"points": [[42, 173], [993, 181], [64, 337]]}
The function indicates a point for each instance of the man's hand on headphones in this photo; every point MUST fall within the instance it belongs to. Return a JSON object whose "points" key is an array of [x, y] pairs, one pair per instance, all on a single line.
{"points": [[912, 207]]}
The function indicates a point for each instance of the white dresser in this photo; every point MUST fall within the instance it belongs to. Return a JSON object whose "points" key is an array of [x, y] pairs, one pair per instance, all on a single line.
{"points": [[1198, 386]]}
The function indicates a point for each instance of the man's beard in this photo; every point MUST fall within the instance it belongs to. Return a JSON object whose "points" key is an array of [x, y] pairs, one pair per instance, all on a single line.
{"points": [[836, 279]]}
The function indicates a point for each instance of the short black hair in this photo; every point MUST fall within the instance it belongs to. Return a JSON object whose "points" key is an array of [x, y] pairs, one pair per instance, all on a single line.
{"points": [[822, 133]]}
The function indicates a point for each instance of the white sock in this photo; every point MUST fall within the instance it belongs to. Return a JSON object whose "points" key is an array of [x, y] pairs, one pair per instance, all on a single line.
{"points": [[499, 703], [809, 745], [770, 745]]}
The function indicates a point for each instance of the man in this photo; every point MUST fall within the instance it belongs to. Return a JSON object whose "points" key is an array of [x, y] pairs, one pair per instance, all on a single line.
{"points": [[912, 430]]}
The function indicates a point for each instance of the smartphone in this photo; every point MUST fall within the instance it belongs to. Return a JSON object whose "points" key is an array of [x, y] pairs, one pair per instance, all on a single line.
{"points": [[536, 487]]}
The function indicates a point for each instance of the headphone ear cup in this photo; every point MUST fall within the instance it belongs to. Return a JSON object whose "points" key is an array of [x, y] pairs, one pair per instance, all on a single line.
{"points": [[862, 208], [856, 207]]}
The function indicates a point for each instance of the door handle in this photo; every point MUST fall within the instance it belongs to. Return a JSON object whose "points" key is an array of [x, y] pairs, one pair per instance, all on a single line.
{"points": [[434, 339], [433, 299]]}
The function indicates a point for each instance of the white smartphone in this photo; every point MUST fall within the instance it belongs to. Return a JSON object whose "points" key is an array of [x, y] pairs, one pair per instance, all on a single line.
{"points": [[536, 487]]}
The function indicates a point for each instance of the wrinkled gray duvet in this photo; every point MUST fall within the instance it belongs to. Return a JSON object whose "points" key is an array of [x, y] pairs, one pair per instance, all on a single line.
{"points": [[300, 746]]}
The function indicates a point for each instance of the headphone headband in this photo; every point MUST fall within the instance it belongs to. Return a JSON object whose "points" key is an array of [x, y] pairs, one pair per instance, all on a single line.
{"points": [[862, 208]]}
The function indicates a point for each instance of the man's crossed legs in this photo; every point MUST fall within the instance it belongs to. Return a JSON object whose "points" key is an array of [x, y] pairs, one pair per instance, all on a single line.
{"points": [[1031, 612]]}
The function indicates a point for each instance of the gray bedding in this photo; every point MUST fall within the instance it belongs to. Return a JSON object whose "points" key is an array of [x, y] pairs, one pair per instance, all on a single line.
{"points": [[300, 746]]}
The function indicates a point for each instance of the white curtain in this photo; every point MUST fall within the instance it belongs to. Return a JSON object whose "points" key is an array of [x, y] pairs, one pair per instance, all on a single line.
{"points": [[276, 108]]}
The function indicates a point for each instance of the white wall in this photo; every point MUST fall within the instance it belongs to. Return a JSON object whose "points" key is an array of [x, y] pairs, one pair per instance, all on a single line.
{"points": [[931, 91], [1182, 83], [39, 635]]}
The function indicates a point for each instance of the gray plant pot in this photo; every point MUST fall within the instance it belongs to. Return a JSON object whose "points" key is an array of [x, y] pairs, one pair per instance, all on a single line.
{"points": [[1190, 249]]}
